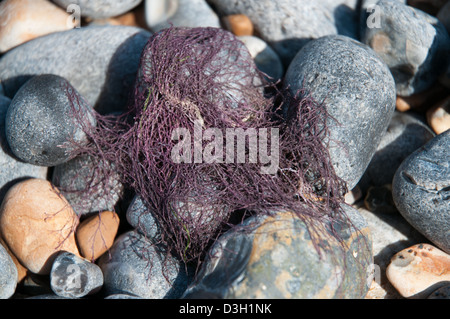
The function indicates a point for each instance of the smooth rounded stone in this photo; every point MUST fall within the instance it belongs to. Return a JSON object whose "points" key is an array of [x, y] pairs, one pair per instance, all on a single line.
{"points": [[74, 277], [419, 270], [188, 13], [36, 222], [159, 11], [84, 184], [438, 117], [421, 190], [22, 272], [96, 234], [13, 169], [122, 296], [24, 20], [414, 44], [238, 24], [141, 218], [405, 134], [441, 293], [390, 233], [100, 62], [265, 58], [99, 8], [287, 25], [274, 257], [369, 15], [359, 93], [8, 274], [136, 266], [40, 124]]}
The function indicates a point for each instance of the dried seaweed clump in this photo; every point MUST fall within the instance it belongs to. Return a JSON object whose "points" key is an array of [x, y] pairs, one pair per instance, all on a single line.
{"points": [[195, 80]]}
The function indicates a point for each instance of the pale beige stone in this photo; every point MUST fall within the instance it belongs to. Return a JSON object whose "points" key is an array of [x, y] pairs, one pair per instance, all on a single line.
{"points": [[96, 234], [419, 270], [438, 117], [36, 222], [24, 20]]}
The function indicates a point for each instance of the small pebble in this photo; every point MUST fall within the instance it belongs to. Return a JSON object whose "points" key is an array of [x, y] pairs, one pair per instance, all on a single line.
{"points": [[25, 20], [159, 11], [438, 117], [98, 9], [36, 222], [74, 277], [95, 235], [8, 274], [238, 24], [419, 270], [421, 101]]}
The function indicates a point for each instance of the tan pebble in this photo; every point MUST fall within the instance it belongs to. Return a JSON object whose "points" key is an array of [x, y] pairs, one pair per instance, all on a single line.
{"points": [[438, 117], [419, 270], [36, 222], [24, 20], [96, 234], [238, 24]]}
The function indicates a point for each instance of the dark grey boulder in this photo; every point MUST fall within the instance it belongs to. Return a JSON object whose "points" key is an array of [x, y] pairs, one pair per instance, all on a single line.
{"points": [[414, 44], [40, 124], [421, 190], [74, 277], [98, 9], [358, 91], [99, 61]]}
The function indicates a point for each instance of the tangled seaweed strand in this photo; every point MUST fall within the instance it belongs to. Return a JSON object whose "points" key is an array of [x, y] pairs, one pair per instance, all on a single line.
{"points": [[204, 77]]}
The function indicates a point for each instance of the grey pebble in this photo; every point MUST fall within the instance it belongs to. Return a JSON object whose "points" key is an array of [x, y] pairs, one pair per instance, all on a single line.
{"points": [[74, 277], [421, 190], [40, 124], [8, 274], [99, 9], [358, 91], [100, 62]]}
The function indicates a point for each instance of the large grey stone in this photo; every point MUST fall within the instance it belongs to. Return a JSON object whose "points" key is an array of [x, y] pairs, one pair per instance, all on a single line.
{"points": [[414, 44], [358, 91], [136, 266], [8, 274], [98, 9], [74, 277], [12, 169], [274, 257], [99, 61], [40, 123], [287, 25], [421, 190]]}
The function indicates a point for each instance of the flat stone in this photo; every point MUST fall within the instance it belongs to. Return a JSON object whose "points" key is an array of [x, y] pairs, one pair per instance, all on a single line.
{"points": [[274, 257], [86, 186], [350, 79], [40, 123], [138, 267], [36, 222], [419, 270], [421, 189], [100, 8], [414, 44], [95, 235], [74, 277], [100, 62], [8, 274], [24, 20], [287, 25], [12, 169]]}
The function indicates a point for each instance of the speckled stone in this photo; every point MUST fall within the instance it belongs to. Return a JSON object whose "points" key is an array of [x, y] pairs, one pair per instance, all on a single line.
{"points": [[419, 270], [274, 257], [140, 217], [351, 80], [414, 44], [136, 266], [8, 274], [100, 8], [40, 123], [74, 277], [421, 190], [287, 25], [100, 62], [12, 169]]}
